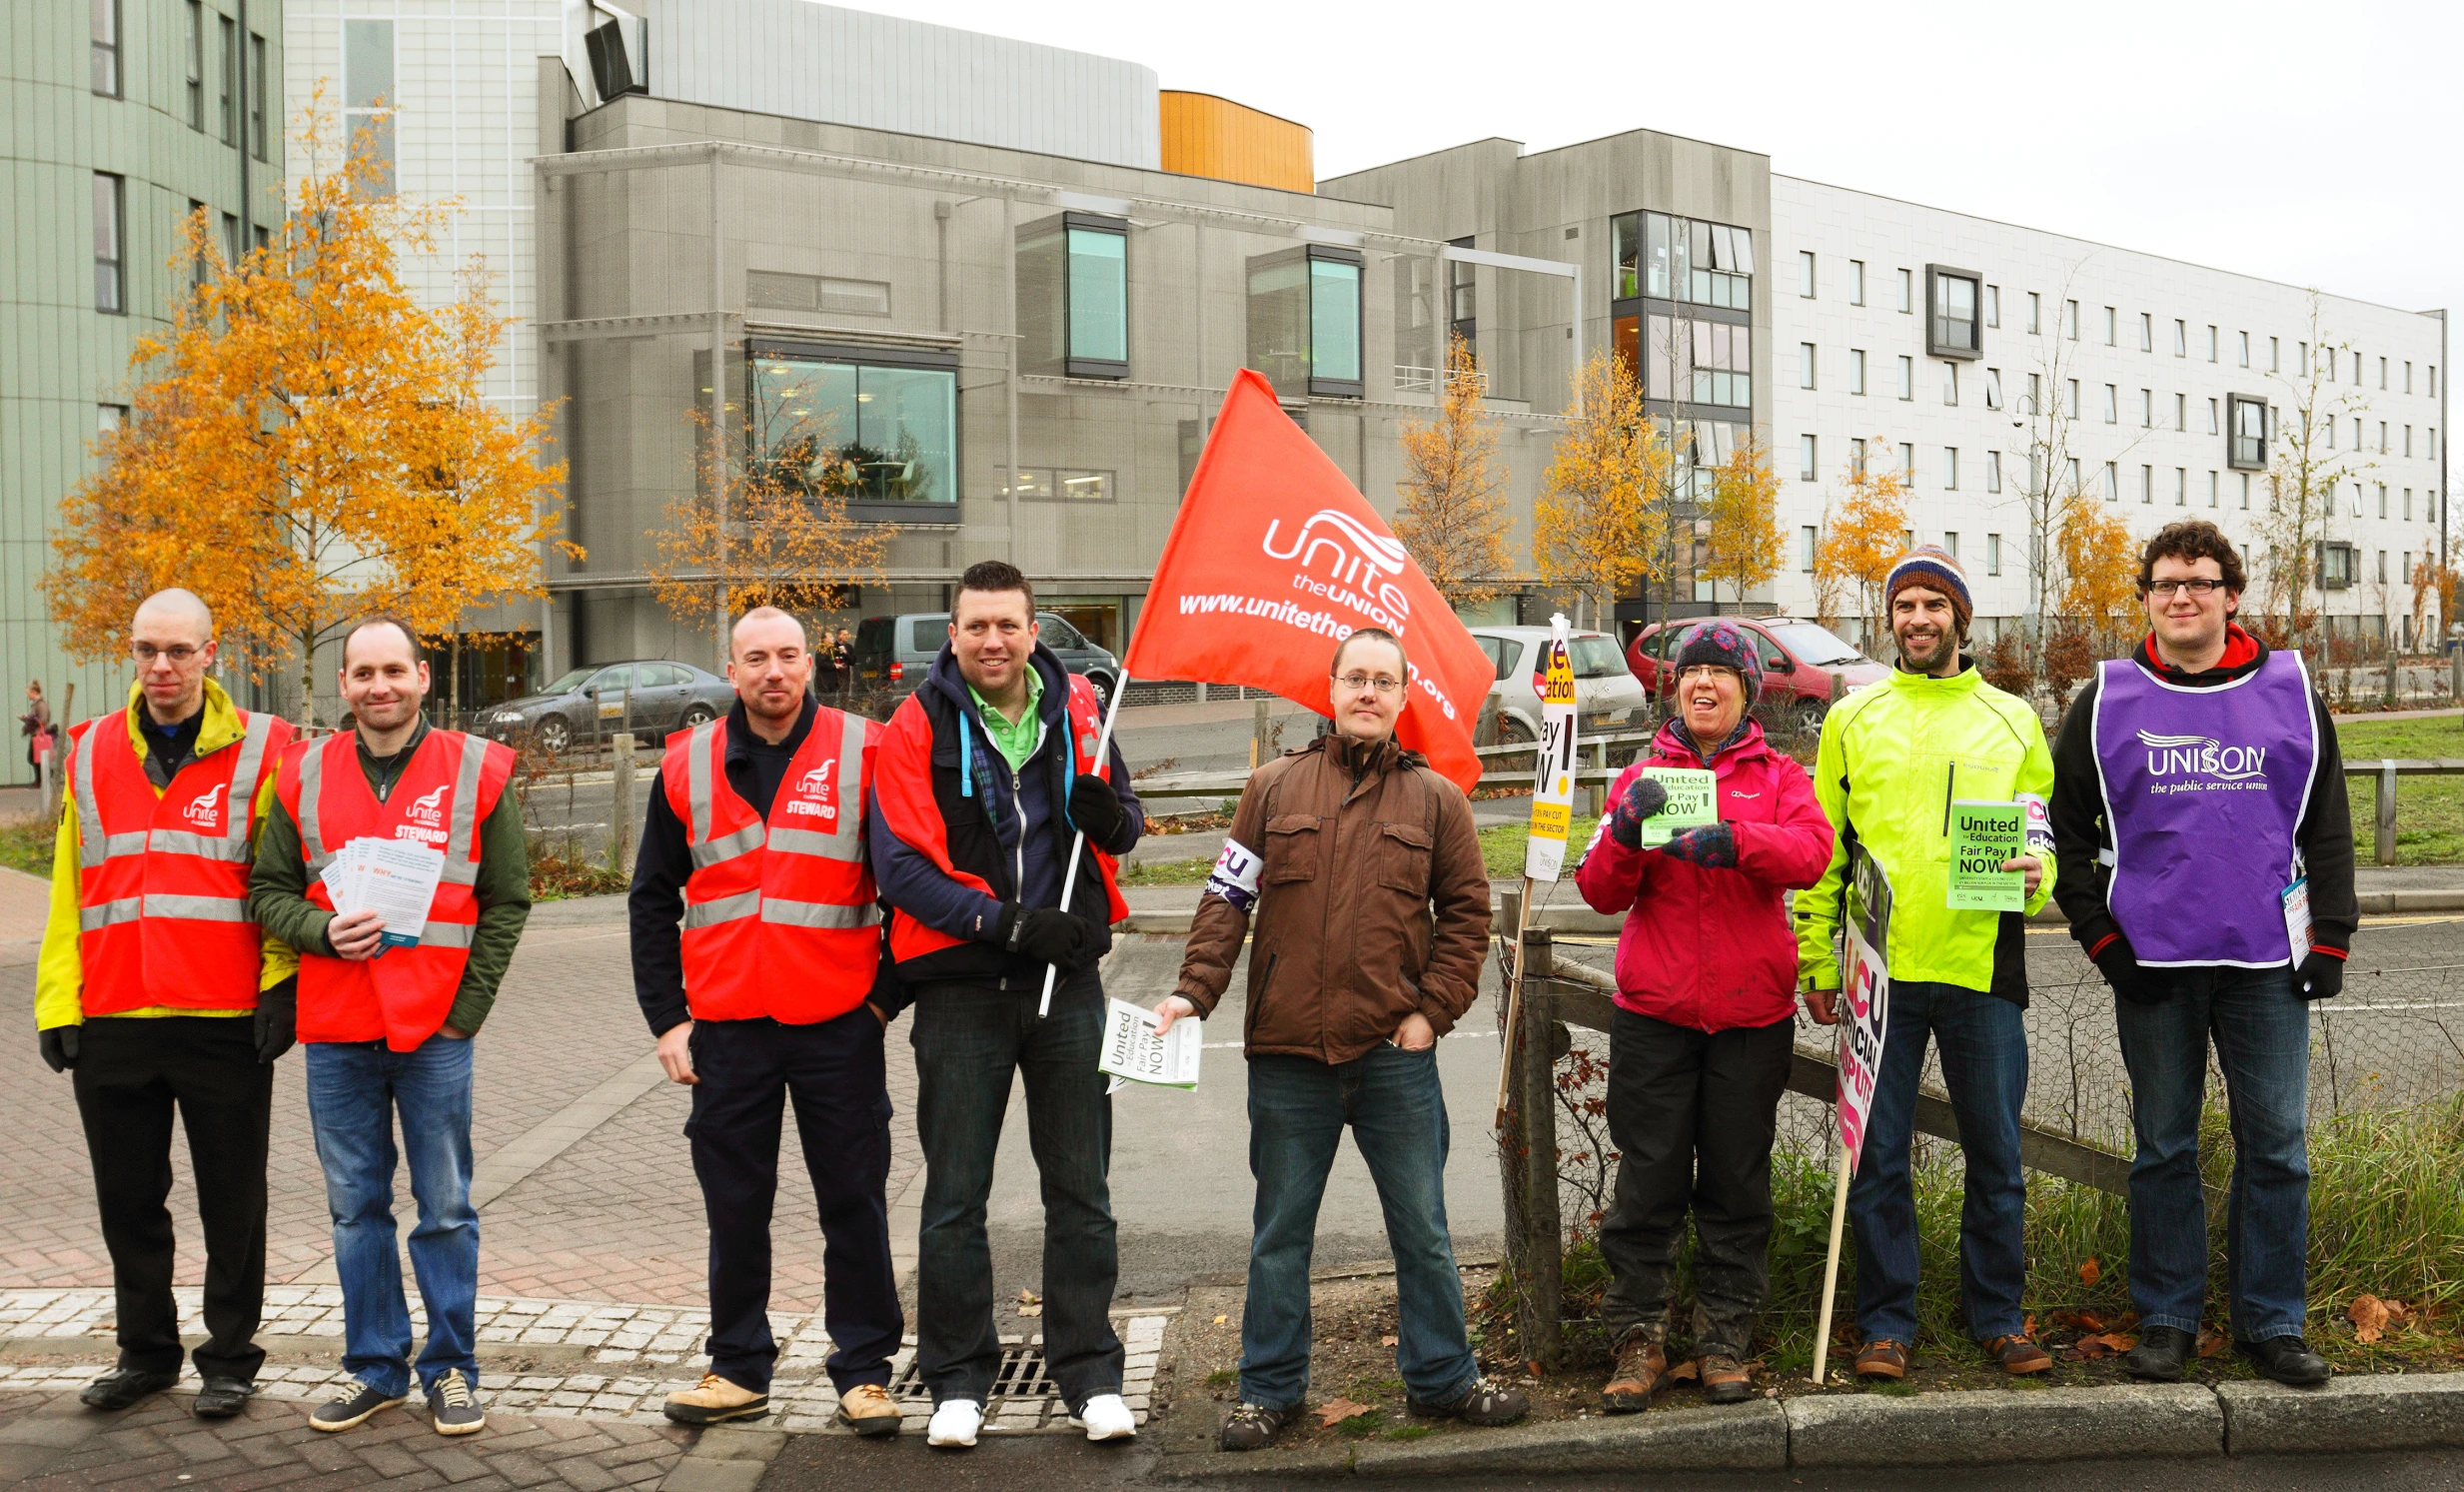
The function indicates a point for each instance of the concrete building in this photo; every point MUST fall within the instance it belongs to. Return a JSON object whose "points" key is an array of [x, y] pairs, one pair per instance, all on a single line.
{"points": [[127, 116]]}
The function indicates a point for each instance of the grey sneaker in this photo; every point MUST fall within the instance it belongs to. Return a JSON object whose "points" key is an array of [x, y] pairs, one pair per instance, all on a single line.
{"points": [[352, 1408], [455, 1408], [1251, 1426]]}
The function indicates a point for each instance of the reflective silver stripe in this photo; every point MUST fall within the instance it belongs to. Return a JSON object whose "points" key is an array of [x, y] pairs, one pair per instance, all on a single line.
{"points": [[460, 869], [807, 842], [312, 782], [198, 908], [93, 919], [819, 913], [446, 934], [115, 845], [243, 776], [723, 909], [847, 843], [204, 846], [698, 779], [728, 846], [92, 848]]}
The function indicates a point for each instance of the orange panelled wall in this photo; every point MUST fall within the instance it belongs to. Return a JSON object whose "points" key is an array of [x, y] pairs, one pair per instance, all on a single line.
{"points": [[1208, 136]]}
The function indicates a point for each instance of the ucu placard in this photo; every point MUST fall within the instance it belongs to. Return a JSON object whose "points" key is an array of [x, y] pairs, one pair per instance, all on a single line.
{"points": [[2205, 789]]}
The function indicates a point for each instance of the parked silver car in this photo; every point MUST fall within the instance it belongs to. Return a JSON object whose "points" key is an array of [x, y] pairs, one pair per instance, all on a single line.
{"points": [[591, 704], [1606, 695]]}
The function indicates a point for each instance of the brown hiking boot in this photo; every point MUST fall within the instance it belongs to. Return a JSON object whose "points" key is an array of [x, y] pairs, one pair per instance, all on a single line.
{"points": [[1642, 1371], [1881, 1358], [1724, 1380]]}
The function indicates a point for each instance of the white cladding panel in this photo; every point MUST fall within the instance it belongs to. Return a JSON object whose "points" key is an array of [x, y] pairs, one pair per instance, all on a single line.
{"points": [[1841, 226], [807, 61]]}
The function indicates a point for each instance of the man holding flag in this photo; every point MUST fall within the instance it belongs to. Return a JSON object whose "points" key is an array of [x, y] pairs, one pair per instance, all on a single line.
{"points": [[985, 778]]}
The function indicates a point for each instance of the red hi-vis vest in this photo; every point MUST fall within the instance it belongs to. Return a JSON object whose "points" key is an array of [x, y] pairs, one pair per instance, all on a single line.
{"points": [[914, 815], [451, 782], [162, 888], [781, 918]]}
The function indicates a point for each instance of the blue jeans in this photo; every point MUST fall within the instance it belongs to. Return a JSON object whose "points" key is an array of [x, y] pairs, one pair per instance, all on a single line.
{"points": [[353, 1090], [1984, 1064], [969, 1040], [1298, 1108], [2262, 1031]]}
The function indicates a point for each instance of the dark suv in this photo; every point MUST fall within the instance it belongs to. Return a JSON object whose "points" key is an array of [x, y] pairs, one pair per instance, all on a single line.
{"points": [[892, 653], [1798, 659]]}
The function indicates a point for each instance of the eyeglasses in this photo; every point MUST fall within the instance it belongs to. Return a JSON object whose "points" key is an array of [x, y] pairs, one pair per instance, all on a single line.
{"points": [[1358, 682], [147, 652], [2199, 587]]}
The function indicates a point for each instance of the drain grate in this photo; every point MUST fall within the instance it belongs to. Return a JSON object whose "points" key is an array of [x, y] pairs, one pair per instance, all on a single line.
{"points": [[1021, 1375]]}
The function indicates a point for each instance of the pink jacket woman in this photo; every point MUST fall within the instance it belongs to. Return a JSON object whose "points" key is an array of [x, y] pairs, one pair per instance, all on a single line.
{"points": [[1711, 945]]}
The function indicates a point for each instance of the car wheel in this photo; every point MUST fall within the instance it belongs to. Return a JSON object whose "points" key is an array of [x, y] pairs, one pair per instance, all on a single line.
{"points": [[553, 736], [1102, 685], [1511, 730], [1809, 715], [697, 716]]}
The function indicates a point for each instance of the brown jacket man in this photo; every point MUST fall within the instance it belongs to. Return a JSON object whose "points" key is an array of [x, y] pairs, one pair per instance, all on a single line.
{"points": [[1362, 873], [1357, 839]]}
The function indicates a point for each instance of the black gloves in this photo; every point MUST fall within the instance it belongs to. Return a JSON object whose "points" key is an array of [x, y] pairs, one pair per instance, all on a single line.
{"points": [[1095, 809], [2119, 963], [1711, 846], [1049, 935], [278, 1019], [59, 1046], [2321, 977], [1642, 797]]}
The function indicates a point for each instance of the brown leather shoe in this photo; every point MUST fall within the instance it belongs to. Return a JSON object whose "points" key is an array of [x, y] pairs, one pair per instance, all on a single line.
{"points": [[1724, 1380], [2017, 1355], [1881, 1358], [1642, 1371]]}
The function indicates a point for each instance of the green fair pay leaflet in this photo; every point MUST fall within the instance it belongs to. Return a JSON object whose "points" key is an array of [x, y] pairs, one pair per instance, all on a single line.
{"points": [[1982, 837], [1694, 800]]}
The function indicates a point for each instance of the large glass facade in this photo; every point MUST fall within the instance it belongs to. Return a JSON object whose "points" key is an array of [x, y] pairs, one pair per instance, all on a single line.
{"points": [[859, 428], [1073, 296], [1682, 259], [1304, 321], [1334, 321], [1698, 362], [1098, 295]]}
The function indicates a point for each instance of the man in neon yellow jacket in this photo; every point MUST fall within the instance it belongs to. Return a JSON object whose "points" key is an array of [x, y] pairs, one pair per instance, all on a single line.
{"points": [[1893, 759]]}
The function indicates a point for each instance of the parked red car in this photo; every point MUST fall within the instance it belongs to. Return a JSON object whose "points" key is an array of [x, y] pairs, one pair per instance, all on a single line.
{"points": [[1798, 659]]}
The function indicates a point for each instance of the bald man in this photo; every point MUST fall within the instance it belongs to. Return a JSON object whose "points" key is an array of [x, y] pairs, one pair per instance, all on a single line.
{"points": [[757, 959], [157, 990]]}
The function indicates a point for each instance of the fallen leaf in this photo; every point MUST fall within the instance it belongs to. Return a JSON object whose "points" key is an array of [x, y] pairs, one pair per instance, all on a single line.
{"points": [[1386, 1341], [2213, 1342], [2118, 1341], [1219, 1320], [2369, 1314], [2091, 1271], [2093, 1347], [1030, 1297], [2087, 1321], [1336, 1411], [2397, 1312], [1686, 1372], [2028, 1325], [1030, 1310]]}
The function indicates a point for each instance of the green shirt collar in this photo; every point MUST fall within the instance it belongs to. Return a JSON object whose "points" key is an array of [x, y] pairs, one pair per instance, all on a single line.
{"points": [[1015, 743]]}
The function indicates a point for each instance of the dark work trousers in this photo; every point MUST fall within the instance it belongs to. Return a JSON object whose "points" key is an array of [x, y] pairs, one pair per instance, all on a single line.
{"points": [[130, 1073], [1692, 1115], [970, 1041], [832, 1071]]}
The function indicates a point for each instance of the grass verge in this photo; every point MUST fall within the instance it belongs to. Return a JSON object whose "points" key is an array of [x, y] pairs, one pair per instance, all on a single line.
{"points": [[25, 845], [1502, 845], [2429, 810]]}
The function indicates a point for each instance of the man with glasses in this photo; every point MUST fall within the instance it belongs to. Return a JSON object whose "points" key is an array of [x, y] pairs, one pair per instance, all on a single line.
{"points": [[1338, 854], [2206, 853], [157, 987]]}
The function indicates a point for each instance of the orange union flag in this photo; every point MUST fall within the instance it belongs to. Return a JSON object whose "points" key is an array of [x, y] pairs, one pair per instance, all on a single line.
{"points": [[1275, 558]]}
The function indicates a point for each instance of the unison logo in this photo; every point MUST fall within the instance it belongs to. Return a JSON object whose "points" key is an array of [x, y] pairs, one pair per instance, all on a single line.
{"points": [[2200, 756]]}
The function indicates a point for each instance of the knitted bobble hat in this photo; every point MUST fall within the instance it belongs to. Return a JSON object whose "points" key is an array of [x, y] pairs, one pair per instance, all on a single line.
{"points": [[1725, 645], [1932, 567]]}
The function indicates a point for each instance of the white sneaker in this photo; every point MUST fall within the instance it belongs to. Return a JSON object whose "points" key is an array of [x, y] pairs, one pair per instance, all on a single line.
{"points": [[1106, 1417], [954, 1423]]}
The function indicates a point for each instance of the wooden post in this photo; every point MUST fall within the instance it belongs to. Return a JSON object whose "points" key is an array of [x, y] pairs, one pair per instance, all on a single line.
{"points": [[1543, 1276], [622, 819], [2386, 812], [1261, 739]]}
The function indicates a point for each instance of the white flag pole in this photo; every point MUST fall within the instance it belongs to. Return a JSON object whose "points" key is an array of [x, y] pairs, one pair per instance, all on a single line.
{"points": [[1077, 842]]}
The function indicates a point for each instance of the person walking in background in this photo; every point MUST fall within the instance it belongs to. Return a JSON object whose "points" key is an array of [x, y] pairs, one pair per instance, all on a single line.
{"points": [[1700, 1050], [35, 725], [843, 662], [1337, 855], [389, 1028], [157, 989], [754, 843], [987, 772], [2197, 784], [1893, 760]]}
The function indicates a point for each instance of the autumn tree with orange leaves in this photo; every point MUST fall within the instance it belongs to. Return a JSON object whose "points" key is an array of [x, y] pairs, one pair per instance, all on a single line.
{"points": [[2098, 602], [1453, 516], [308, 444], [1596, 526], [1862, 537], [1744, 546]]}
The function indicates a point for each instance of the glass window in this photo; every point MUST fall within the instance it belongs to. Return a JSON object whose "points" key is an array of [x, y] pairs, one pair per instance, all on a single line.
{"points": [[1950, 543], [1951, 472], [110, 416], [2148, 409], [1993, 388], [1098, 295], [2181, 339], [194, 48], [2073, 411], [1857, 369], [2034, 305], [2147, 332], [256, 95], [1804, 261], [1907, 294], [2211, 343], [2182, 412], [2147, 486], [1060, 485], [2214, 428], [2275, 360], [1857, 281], [862, 431], [1954, 329], [1951, 384], [1994, 305], [2249, 426], [1805, 365], [1809, 469], [1993, 554], [1595, 656], [2215, 491], [1661, 255], [105, 15], [2109, 324], [1907, 463], [1993, 471], [2181, 487], [229, 94], [1709, 264], [1907, 378], [2245, 352], [1334, 320], [2113, 404], [1808, 540], [368, 98], [1304, 321], [2113, 482], [2071, 320], [110, 244], [1626, 248]]}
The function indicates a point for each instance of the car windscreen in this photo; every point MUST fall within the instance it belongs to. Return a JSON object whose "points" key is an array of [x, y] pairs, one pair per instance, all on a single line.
{"points": [[1814, 646], [571, 681], [874, 633], [1596, 656]]}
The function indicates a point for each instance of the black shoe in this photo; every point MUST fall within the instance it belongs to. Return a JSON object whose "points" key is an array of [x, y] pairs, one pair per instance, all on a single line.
{"points": [[1485, 1403], [2161, 1355], [121, 1387], [352, 1408], [2288, 1360], [455, 1408], [221, 1398], [1251, 1426]]}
